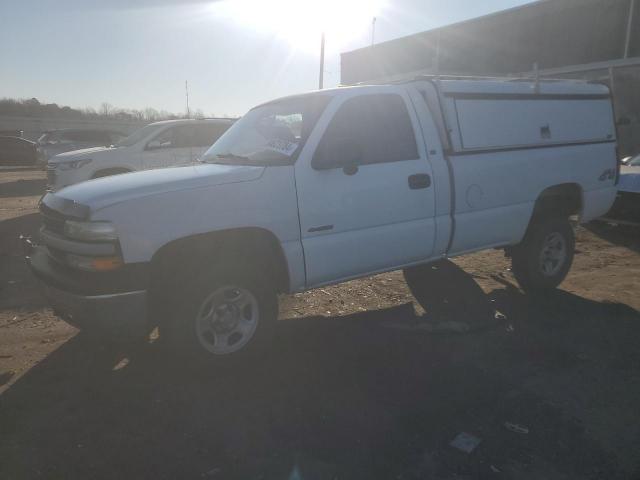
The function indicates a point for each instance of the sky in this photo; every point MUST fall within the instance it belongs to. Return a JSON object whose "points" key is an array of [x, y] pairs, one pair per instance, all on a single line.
{"points": [[234, 53]]}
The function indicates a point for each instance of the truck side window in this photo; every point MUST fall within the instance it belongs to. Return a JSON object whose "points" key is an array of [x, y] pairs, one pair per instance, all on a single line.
{"points": [[378, 124], [184, 136], [165, 139], [206, 135]]}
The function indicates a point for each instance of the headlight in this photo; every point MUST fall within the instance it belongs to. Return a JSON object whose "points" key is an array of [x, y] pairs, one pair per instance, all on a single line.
{"points": [[74, 164], [90, 231], [94, 264]]}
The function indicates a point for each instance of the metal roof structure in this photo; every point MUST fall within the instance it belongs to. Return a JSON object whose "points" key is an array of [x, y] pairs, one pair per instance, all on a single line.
{"points": [[559, 36]]}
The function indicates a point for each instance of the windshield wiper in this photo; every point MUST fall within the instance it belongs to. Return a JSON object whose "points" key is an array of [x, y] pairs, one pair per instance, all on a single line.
{"points": [[233, 159], [232, 156]]}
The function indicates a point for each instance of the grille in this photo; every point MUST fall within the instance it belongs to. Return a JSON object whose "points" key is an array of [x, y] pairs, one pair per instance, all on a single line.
{"points": [[52, 220]]}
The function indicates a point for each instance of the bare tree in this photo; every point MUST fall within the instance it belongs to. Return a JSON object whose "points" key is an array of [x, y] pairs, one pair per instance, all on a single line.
{"points": [[150, 114], [137, 114], [106, 109]]}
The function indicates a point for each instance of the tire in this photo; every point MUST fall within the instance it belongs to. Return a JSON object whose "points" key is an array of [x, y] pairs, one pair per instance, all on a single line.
{"points": [[222, 314], [543, 259]]}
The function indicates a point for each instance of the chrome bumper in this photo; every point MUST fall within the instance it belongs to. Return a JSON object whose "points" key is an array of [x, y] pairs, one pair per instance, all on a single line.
{"points": [[121, 312]]}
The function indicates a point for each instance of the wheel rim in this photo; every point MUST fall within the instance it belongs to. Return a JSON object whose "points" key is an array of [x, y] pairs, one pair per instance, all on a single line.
{"points": [[227, 320], [553, 254]]}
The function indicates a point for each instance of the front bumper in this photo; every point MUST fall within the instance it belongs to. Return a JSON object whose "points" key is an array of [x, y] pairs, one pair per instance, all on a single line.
{"points": [[118, 312], [98, 302]]}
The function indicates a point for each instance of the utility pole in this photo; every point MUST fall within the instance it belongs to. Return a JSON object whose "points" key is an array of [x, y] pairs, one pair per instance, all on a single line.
{"points": [[186, 91], [321, 78], [629, 28], [373, 30]]}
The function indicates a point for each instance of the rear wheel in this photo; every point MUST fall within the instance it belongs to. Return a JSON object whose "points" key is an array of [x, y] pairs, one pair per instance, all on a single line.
{"points": [[222, 314], [543, 259]]}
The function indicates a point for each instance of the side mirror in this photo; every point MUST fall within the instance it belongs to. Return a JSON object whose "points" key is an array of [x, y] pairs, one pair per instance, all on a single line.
{"points": [[344, 153]]}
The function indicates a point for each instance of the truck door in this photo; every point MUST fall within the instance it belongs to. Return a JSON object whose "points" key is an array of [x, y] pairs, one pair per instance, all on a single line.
{"points": [[365, 196]]}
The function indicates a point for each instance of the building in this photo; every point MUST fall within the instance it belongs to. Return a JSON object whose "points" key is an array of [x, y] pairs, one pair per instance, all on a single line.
{"points": [[597, 40]]}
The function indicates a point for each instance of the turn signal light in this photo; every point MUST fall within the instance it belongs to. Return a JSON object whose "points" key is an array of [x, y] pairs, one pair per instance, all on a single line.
{"points": [[94, 264]]}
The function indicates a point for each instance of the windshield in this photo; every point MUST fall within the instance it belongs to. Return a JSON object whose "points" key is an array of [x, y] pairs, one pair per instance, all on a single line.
{"points": [[138, 135], [271, 134], [635, 161]]}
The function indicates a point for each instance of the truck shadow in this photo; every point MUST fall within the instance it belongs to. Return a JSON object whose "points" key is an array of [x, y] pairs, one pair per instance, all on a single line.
{"points": [[348, 397], [18, 287], [623, 235], [12, 228]]}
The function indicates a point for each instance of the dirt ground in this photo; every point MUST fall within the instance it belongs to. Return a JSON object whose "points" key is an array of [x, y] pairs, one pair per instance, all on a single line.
{"points": [[361, 384]]}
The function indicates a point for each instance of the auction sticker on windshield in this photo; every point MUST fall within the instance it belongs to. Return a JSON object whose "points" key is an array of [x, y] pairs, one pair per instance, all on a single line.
{"points": [[282, 146]]}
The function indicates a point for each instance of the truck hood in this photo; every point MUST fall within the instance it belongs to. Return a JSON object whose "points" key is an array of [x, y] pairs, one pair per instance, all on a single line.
{"points": [[106, 191], [79, 154]]}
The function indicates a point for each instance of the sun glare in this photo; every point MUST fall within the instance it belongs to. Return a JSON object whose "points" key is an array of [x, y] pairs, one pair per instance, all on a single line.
{"points": [[300, 22]]}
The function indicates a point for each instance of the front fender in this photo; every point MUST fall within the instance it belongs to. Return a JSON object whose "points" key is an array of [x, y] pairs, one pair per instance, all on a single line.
{"points": [[146, 224]]}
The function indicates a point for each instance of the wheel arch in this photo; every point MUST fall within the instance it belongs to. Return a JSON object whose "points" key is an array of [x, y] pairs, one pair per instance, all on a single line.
{"points": [[261, 245], [561, 199]]}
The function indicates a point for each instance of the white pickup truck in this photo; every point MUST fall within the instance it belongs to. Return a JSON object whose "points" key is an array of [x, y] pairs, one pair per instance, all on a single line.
{"points": [[328, 186]]}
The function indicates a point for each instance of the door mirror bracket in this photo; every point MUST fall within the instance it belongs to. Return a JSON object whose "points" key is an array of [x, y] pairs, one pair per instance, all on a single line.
{"points": [[350, 169]]}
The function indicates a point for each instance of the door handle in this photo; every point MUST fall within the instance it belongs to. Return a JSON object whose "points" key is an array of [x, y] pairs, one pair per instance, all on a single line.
{"points": [[419, 180]]}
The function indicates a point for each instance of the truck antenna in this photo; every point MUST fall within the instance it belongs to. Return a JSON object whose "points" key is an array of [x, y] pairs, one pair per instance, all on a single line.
{"points": [[373, 30], [186, 91], [321, 75]]}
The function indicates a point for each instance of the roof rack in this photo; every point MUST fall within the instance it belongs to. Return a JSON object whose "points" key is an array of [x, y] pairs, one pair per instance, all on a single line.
{"points": [[449, 76]]}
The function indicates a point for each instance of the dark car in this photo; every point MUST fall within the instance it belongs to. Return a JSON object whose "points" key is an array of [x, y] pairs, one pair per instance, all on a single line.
{"points": [[54, 142], [16, 151]]}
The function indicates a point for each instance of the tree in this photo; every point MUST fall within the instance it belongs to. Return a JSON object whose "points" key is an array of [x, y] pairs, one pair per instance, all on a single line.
{"points": [[106, 109], [150, 114], [33, 107]]}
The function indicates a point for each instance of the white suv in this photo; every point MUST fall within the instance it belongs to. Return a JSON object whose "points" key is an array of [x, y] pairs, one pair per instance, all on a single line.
{"points": [[158, 145]]}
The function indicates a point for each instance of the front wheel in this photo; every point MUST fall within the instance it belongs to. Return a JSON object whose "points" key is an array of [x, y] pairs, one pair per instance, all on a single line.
{"points": [[543, 259], [221, 315]]}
